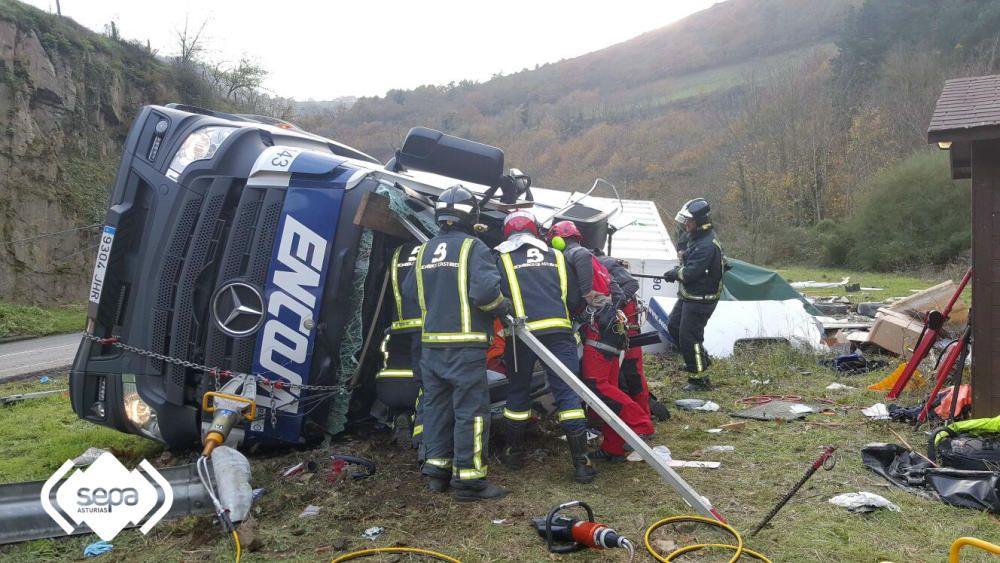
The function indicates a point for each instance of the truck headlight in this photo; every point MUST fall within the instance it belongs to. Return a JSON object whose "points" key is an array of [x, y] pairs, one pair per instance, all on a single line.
{"points": [[140, 414], [199, 145]]}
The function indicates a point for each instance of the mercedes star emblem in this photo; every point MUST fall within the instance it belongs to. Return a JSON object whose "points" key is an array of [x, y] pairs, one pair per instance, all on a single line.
{"points": [[238, 309]]}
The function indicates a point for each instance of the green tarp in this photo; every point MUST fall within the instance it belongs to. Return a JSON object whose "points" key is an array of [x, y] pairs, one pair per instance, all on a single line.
{"points": [[746, 282]]}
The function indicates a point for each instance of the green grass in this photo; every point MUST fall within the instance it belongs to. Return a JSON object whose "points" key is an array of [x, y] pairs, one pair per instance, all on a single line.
{"points": [[38, 435], [31, 320], [769, 457]]}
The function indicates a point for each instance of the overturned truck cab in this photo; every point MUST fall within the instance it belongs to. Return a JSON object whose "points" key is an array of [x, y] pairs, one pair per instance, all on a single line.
{"points": [[239, 247]]}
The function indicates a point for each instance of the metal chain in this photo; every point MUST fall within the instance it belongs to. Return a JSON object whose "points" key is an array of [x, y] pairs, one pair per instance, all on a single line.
{"points": [[215, 372]]}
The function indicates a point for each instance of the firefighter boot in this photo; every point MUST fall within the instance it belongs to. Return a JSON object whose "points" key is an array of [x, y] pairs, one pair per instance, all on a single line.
{"points": [[514, 452], [439, 484], [584, 471], [476, 490]]}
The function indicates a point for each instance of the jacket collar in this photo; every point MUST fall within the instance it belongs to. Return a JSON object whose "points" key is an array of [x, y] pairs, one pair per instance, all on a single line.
{"points": [[519, 240]]}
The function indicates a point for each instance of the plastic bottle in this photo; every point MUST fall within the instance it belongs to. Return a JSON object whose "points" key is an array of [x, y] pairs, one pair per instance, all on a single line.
{"points": [[232, 481]]}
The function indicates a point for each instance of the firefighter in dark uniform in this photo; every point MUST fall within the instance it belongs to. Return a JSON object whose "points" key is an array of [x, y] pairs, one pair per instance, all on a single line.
{"points": [[457, 285], [397, 384], [699, 276], [538, 283], [602, 349]]}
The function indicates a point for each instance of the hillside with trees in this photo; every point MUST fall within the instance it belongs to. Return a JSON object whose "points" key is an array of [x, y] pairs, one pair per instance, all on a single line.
{"points": [[787, 114]]}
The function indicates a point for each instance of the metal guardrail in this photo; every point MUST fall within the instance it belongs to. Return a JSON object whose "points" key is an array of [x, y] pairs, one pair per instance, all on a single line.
{"points": [[22, 517]]}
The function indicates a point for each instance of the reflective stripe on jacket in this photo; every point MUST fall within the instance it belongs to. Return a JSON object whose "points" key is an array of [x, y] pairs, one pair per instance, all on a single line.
{"points": [[537, 283], [700, 277], [457, 285], [406, 313]]}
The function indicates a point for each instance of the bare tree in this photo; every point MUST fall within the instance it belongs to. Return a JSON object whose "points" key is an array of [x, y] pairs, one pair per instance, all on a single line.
{"points": [[243, 79], [190, 42]]}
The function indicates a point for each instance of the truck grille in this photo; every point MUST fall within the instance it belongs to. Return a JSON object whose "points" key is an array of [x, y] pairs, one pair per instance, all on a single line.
{"points": [[225, 234]]}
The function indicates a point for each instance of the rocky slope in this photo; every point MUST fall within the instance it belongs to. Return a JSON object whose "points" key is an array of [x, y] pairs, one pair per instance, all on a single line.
{"points": [[67, 96]]}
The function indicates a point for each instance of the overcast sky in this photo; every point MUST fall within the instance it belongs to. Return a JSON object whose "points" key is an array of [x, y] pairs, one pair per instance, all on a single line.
{"points": [[327, 49]]}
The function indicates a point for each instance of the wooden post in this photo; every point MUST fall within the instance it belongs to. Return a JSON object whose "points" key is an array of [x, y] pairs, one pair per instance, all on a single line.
{"points": [[986, 278]]}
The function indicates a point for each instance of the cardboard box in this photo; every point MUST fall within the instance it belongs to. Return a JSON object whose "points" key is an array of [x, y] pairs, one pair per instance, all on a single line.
{"points": [[895, 332], [936, 299]]}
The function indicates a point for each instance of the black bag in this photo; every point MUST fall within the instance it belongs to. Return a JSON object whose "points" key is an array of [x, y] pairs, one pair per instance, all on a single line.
{"points": [[974, 452], [958, 487]]}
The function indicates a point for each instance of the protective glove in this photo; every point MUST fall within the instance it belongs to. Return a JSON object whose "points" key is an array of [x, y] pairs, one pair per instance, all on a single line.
{"points": [[671, 275], [504, 309]]}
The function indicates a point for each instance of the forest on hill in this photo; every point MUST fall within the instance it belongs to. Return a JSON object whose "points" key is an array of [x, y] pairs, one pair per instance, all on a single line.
{"points": [[794, 117]]}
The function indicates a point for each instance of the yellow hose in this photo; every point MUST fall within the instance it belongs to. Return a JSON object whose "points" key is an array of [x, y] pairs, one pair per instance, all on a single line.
{"points": [[236, 540], [377, 550], [738, 550]]}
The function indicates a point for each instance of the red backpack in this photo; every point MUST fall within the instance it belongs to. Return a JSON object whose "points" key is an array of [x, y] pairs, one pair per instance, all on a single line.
{"points": [[602, 277]]}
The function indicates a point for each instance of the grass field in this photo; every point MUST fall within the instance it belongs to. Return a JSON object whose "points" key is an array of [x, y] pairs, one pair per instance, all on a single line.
{"points": [[769, 457], [30, 320]]}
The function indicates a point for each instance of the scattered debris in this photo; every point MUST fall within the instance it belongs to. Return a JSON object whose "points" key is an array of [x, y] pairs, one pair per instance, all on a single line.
{"points": [[838, 387], [373, 533], [935, 298], [311, 510], [714, 431], [890, 380], [759, 382], [895, 332], [853, 364], [719, 449], [820, 285], [257, 493], [88, 457], [689, 404], [681, 463], [869, 309], [862, 502], [916, 474], [500, 522], [301, 467], [709, 406], [45, 379], [831, 309], [776, 410], [97, 548], [878, 411], [11, 399], [735, 425], [663, 453]]}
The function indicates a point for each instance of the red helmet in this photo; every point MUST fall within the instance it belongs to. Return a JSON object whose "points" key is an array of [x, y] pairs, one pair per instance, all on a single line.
{"points": [[519, 222], [566, 230]]}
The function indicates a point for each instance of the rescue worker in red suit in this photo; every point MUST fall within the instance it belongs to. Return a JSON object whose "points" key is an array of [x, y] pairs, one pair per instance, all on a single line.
{"points": [[537, 281], [632, 376], [601, 350]]}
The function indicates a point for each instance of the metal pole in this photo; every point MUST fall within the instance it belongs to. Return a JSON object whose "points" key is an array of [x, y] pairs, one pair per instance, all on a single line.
{"points": [[827, 452], [696, 501]]}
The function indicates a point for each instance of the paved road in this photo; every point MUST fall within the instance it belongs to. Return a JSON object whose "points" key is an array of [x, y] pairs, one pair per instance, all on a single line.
{"points": [[39, 354]]}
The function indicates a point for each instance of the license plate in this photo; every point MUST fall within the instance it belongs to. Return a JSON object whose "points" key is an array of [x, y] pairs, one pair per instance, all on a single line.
{"points": [[101, 267]]}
